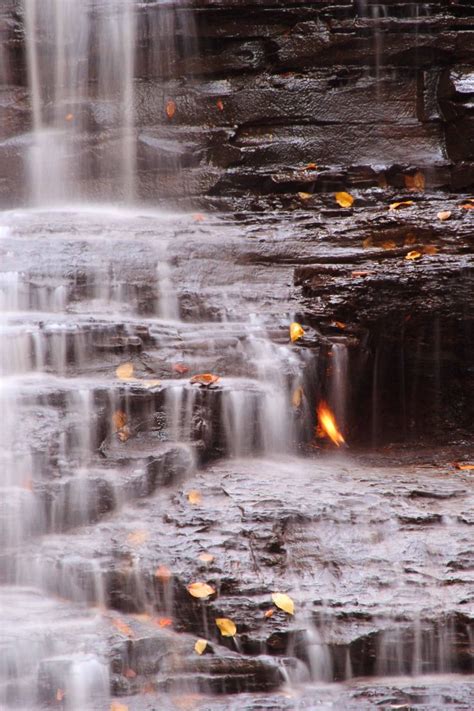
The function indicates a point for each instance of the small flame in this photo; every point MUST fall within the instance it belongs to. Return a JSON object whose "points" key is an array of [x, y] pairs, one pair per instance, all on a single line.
{"points": [[327, 425]]}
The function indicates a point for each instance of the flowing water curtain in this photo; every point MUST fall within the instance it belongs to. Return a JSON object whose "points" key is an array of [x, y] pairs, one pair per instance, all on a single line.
{"points": [[80, 74]]}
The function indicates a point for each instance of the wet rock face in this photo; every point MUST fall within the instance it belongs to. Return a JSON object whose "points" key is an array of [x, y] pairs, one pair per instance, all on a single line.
{"points": [[362, 90]]}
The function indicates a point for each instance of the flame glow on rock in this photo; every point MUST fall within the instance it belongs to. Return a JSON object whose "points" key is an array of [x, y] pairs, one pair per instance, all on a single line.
{"points": [[327, 424]]}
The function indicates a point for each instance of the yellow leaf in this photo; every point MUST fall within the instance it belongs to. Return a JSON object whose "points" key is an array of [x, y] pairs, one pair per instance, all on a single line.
{"points": [[226, 626], [403, 203], [163, 574], [344, 199], [170, 109], [200, 590], [305, 196], [119, 419], [464, 467], [430, 249], [296, 331], [444, 215], [415, 182], [123, 628], [297, 398], [200, 646], [205, 379], [206, 557], [284, 602], [194, 497], [125, 371], [115, 706], [411, 256], [137, 538]]}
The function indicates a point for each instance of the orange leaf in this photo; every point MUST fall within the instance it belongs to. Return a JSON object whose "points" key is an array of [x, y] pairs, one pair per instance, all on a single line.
{"points": [[170, 109], [444, 215], [115, 706], [410, 239], [123, 628], [119, 419], [194, 497], [361, 274], [220, 104], [415, 182], [464, 467], [206, 557], [413, 255], [344, 199], [198, 217], [311, 166], [163, 574], [398, 205], [130, 674], [164, 622], [389, 244], [60, 695], [269, 613], [430, 249], [69, 117], [205, 379], [200, 590], [368, 242], [340, 325], [180, 368]]}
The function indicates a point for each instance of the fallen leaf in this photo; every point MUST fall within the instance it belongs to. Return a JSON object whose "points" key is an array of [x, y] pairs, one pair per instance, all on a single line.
{"points": [[200, 590], [198, 217], [180, 368], [115, 706], [398, 205], [430, 249], [220, 104], [119, 419], [415, 182], [413, 255], [305, 196], [467, 206], [186, 701], [464, 467], [69, 117], [297, 398], [444, 215], [206, 557], [311, 166], [123, 628], [130, 674], [269, 613], [170, 109], [137, 538], [194, 497], [296, 331], [340, 325], [125, 371], [200, 646], [344, 199], [205, 379], [368, 242], [389, 244], [227, 627], [163, 574], [164, 622], [361, 274], [60, 695], [284, 602]]}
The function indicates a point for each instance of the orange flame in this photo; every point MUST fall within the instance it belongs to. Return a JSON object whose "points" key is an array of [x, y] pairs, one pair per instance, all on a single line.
{"points": [[327, 425]]}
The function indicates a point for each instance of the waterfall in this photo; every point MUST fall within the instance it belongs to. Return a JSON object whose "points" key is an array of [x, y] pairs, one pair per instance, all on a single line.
{"points": [[63, 79]]}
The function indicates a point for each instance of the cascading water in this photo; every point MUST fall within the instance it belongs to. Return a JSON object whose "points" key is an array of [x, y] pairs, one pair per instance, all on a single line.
{"points": [[65, 81]]}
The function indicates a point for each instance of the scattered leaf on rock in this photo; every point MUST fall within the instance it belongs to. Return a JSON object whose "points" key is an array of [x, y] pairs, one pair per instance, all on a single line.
{"points": [[430, 249], [206, 557], [311, 166], [389, 244], [200, 590], [269, 613], [415, 182], [124, 371], [123, 628], [60, 694], [200, 646], [361, 274], [339, 324], [119, 419], [163, 574], [227, 627], [297, 398], [284, 602], [413, 255], [137, 538], [403, 203], [410, 239], [69, 117], [296, 331], [344, 199], [444, 215], [123, 434], [305, 196], [164, 622], [180, 368], [204, 379], [198, 217], [116, 706], [194, 497], [367, 242], [130, 673], [468, 206], [170, 109], [464, 467], [220, 104]]}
